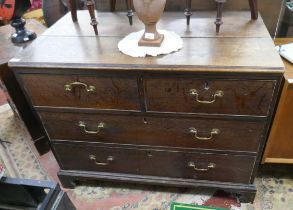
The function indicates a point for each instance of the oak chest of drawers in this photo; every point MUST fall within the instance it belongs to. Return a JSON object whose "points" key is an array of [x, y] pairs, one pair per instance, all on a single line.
{"points": [[197, 117]]}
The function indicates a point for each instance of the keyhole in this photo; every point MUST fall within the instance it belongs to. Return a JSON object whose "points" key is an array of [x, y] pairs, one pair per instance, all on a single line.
{"points": [[150, 154], [145, 121], [206, 85]]}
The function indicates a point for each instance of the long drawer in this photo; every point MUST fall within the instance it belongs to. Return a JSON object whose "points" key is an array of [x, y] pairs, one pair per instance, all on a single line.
{"points": [[103, 92], [212, 96], [183, 165], [189, 133]]}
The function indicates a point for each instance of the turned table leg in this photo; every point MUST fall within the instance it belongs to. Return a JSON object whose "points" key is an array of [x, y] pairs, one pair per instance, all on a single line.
{"points": [[128, 6], [112, 5], [129, 10], [188, 12], [91, 8], [73, 9], [254, 9], [219, 22]]}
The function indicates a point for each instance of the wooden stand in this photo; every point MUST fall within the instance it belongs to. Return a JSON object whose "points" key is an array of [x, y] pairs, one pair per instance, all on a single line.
{"points": [[188, 12], [129, 7], [253, 9], [219, 22], [252, 4], [91, 8]]}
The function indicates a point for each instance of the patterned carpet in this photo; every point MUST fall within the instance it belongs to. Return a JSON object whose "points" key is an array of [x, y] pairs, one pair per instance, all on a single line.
{"points": [[18, 158], [275, 184]]}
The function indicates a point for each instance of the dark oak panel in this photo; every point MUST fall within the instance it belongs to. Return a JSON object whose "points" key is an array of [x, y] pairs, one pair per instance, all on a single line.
{"points": [[239, 97], [156, 163], [155, 131], [110, 92]]}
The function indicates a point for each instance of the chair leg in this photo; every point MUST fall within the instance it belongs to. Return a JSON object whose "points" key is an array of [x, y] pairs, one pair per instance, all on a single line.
{"points": [[129, 10], [112, 5], [188, 12], [91, 8], [73, 10], [219, 22], [254, 9]]}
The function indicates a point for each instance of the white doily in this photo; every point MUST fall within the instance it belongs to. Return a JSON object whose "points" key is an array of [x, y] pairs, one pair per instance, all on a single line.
{"points": [[129, 45]]}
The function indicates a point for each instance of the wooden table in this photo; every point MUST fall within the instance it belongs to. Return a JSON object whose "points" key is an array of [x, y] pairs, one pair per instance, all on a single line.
{"points": [[198, 117], [279, 148], [8, 51]]}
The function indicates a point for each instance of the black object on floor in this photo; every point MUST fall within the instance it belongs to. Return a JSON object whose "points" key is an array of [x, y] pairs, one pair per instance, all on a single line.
{"points": [[32, 194]]}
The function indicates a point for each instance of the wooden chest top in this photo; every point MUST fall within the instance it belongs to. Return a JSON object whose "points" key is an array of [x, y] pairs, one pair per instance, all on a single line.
{"points": [[242, 45]]}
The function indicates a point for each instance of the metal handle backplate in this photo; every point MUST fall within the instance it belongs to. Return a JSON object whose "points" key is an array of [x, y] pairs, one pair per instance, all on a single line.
{"points": [[99, 127], [214, 131], [218, 93], [88, 88], [210, 166], [109, 159]]}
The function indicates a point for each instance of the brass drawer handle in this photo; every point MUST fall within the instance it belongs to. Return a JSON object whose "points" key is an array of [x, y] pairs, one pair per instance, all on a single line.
{"points": [[88, 88], [109, 159], [214, 131], [218, 93], [83, 125], [210, 166]]}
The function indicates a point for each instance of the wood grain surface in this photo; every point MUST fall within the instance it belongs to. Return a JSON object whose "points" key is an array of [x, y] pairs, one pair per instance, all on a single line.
{"points": [[198, 55], [235, 169], [240, 97], [234, 135], [109, 93], [202, 50]]}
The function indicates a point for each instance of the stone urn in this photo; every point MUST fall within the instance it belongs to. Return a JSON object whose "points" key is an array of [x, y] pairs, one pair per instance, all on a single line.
{"points": [[149, 12]]}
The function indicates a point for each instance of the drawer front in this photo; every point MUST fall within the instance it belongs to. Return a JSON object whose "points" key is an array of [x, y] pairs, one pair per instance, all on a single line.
{"points": [[237, 97], [82, 91], [155, 131], [213, 167]]}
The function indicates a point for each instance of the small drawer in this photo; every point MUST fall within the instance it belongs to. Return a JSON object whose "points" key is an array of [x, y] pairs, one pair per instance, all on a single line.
{"points": [[199, 166], [200, 133], [82, 91], [235, 97]]}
